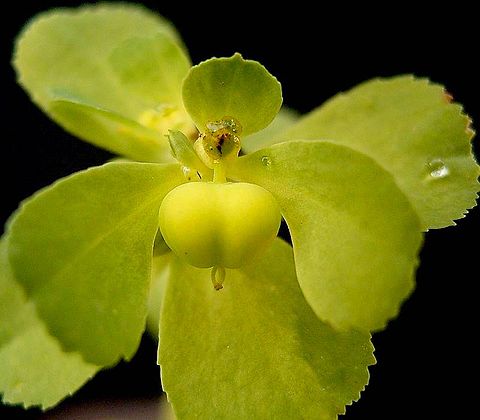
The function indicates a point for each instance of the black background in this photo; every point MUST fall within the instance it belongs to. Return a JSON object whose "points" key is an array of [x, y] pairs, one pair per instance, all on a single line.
{"points": [[425, 356]]}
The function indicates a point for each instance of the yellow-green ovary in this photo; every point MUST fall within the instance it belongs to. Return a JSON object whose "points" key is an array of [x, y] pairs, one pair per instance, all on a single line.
{"points": [[225, 225]]}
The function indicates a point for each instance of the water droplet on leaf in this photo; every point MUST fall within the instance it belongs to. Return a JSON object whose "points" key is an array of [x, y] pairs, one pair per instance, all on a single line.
{"points": [[191, 174], [187, 173], [266, 161], [438, 169]]}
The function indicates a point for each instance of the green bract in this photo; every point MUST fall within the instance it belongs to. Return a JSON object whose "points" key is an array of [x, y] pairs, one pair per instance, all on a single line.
{"points": [[76, 254], [356, 181], [35, 369], [266, 356], [232, 87], [325, 192], [413, 130], [88, 55]]}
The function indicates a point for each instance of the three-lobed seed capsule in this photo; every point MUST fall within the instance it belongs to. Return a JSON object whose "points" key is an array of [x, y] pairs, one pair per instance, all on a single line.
{"points": [[219, 224]]}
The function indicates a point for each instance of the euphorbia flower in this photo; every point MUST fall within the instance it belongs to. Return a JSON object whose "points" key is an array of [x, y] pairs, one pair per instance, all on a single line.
{"points": [[288, 335]]}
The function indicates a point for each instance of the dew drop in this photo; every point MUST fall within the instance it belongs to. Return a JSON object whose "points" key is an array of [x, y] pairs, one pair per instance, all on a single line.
{"points": [[191, 174], [438, 169], [266, 161], [187, 173]]}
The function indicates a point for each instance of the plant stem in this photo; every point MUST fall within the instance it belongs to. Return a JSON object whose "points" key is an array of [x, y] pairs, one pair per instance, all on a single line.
{"points": [[219, 173]]}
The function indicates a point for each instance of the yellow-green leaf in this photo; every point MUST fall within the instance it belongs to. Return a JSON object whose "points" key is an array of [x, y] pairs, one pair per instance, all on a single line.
{"points": [[413, 130], [34, 368], [82, 250], [355, 235], [82, 52], [232, 87], [109, 130], [255, 349]]}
